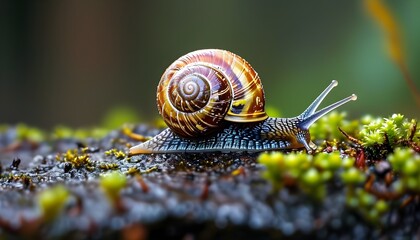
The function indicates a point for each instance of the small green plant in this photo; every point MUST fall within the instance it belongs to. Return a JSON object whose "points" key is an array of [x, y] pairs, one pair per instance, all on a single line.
{"points": [[108, 166], [406, 163], [77, 159], [366, 204], [327, 127], [309, 173], [377, 135], [352, 176], [64, 132], [27, 133], [394, 131], [118, 154], [112, 183], [119, 116], [51, 201]]}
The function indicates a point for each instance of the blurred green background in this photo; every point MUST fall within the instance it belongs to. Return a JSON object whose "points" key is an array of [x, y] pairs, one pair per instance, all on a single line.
{"points": [[71, 62]]}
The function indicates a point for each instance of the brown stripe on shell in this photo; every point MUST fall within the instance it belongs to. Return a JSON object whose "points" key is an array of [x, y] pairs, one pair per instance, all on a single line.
{"points": [[194, 117], [190, 117]]}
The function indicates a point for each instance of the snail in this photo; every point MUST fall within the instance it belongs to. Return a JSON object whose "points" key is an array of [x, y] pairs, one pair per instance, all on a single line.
{"points": [[213, 101]]}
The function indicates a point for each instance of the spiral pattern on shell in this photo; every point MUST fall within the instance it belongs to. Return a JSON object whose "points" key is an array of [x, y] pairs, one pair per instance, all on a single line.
{"points": [[202, 88]]}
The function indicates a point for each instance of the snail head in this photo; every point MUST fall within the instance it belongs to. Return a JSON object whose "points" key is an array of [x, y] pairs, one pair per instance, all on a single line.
{"points": [[298, 127]]}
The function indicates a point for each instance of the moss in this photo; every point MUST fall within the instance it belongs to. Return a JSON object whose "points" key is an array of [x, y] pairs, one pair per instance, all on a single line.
{"points": [[25, 179], [238, 171], [370, 193], [4, 127], [118, 116], [378, 136], [118, 154], [112, 183], [152, 169], [327, 127], [406, 163], [25, 132], [347, 162], [108, 166], [132, 171], [394, 131], [352, 176], [77, 159], [312, 182], [313, 174], [367, 205], [96, 133], [327, 161], [309, 173], [51, 201], [64, 132]]}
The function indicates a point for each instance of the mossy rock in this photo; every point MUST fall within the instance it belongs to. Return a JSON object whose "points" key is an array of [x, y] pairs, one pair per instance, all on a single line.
{"points": [[75, 186]]}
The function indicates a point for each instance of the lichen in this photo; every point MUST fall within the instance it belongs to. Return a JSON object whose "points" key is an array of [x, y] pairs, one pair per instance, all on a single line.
{"points": [[118, 154], [77, 159]]}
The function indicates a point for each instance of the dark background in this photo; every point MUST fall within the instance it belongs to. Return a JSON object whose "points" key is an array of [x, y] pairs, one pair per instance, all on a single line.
{"points": [[70, 62]]}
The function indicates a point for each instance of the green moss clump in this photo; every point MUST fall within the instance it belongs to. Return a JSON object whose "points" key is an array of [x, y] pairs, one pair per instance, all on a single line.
{"points": [[80, 158], [25, 133], [367, 204], [377, 135], [112, 183], [394, 131], [119, 116], [330, 162], [77, 159], [327, 127], [108, 166], [118, 154], [64, 132], [132, 171], [406, 163], [353, 176], [25, 179], [51, 201], [309, 173], [312, 174]]}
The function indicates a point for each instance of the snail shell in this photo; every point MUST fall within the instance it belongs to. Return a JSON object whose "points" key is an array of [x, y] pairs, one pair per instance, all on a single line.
{"points": [[205, 87]]}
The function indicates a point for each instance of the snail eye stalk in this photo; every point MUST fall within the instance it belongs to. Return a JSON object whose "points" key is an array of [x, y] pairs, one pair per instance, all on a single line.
{"points": [[310, 115]]}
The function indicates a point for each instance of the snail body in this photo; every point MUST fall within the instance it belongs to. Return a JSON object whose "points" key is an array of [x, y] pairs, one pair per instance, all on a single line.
{"points": [[213, 100]]}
